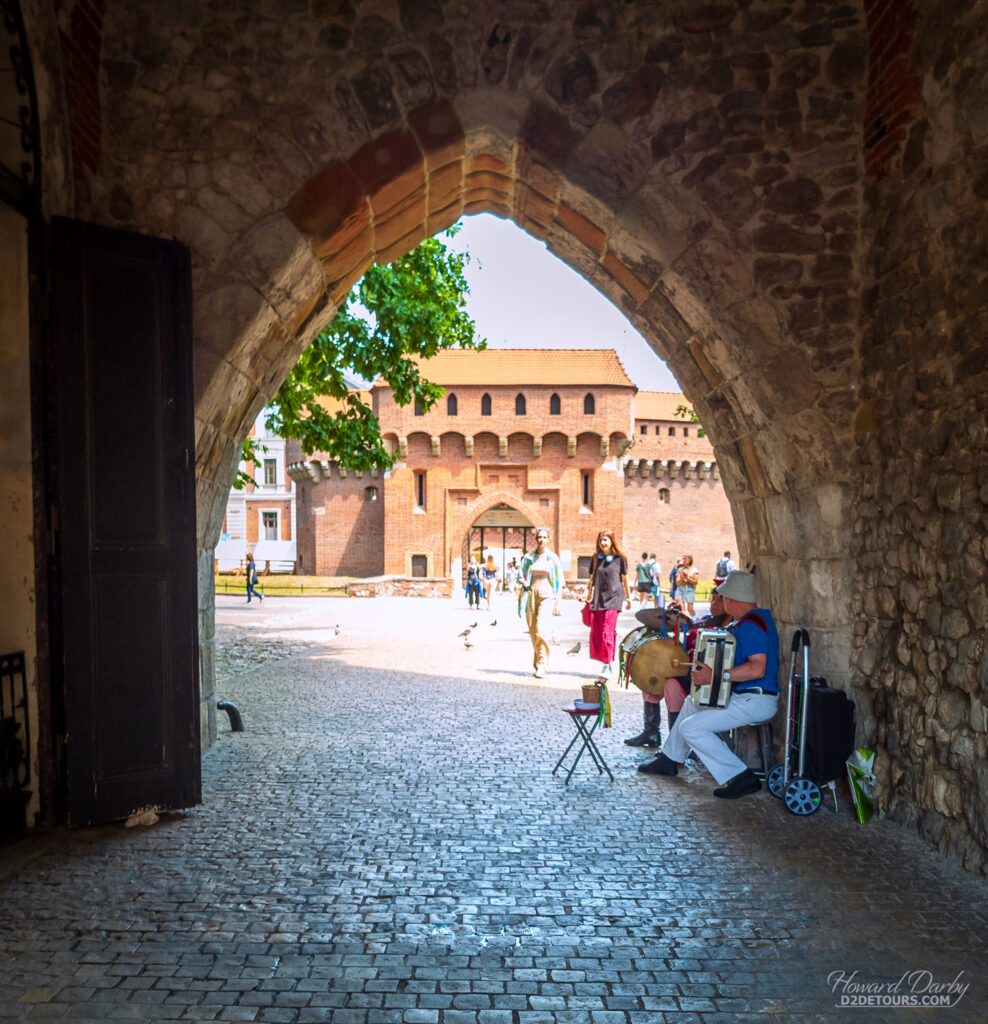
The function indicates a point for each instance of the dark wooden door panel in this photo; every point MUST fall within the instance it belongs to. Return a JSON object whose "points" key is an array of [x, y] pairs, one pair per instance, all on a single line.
{"points": [[125, 479]]}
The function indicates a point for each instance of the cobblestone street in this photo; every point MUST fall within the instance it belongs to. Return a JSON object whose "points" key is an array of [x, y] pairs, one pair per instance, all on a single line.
{"points": [[386, 843]]}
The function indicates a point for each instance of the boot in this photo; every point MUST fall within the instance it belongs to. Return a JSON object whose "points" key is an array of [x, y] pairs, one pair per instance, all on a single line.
{"points": [[649, 736]]}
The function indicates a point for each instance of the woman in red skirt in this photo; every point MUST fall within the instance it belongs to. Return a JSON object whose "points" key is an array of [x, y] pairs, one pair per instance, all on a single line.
{"points": [[608, 589]]}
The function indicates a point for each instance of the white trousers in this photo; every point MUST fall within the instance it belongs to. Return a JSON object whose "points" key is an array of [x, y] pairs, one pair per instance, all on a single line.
{"points": [[697, 728]]}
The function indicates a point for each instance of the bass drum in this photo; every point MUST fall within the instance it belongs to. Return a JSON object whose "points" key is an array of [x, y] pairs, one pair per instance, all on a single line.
{"points": [[648, 660]]}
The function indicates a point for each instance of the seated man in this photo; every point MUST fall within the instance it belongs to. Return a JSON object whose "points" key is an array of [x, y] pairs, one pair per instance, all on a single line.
{"points": [[754, 696]]}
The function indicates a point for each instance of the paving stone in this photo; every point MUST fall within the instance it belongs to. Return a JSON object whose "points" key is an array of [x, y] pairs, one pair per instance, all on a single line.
{"points": [[401, 833]]}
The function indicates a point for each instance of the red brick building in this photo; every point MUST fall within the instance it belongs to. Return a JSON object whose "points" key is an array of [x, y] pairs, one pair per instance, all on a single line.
{"points": [[522, 438]]}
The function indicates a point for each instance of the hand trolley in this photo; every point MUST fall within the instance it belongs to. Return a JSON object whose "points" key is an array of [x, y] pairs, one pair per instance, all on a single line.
{"points": [[819, 736]]}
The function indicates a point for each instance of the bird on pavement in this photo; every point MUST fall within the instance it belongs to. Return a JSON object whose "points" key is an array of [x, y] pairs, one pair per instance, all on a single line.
{"points": [[575, 649], [467, 644], [473, 625], [494, 623], [464, 633], [337, 629]]}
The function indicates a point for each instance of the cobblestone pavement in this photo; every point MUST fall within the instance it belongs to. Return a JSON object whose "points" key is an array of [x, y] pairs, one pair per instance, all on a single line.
{"points": [[386, 842]]}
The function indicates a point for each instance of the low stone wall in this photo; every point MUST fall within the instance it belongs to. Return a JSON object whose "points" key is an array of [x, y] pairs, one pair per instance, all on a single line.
{"points": [[401, 586]]}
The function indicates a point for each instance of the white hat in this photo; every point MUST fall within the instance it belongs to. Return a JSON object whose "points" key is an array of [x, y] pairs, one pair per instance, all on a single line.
{"points": [[739, 586]]}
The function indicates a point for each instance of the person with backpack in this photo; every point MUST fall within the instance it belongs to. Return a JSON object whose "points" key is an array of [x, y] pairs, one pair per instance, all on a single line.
{"points": [[725, 565], [473, 583], [643, 574], [656, 588], [252, 579]]}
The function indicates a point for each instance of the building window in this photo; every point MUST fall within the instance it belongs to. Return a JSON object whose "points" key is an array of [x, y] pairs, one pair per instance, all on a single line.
{"points": [[554, 406], [589, 406], [586, 486], [419, 411], [664, 495], [520, 405], [485, 405], [672, 431], [269, 525], [583, 564], [644, 429], [451, 409], [420, 491], [686, 431], [420, 566], [370, 494], [656, 429], [270, 471]]}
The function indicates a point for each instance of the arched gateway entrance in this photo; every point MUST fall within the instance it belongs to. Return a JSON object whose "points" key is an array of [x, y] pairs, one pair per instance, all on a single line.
{"points": [[781, 202], [501, 533]]}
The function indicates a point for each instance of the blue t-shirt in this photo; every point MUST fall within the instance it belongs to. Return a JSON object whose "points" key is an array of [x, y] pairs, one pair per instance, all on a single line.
{"points": [[755, 633]]}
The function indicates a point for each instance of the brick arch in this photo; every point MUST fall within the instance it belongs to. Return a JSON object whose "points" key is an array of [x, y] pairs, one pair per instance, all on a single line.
{"points": [[462, 521]]}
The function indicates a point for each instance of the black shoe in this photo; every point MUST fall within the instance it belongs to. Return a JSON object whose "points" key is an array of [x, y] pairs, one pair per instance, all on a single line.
{"points": [[643, 739], [741, 785], [661, 765]]}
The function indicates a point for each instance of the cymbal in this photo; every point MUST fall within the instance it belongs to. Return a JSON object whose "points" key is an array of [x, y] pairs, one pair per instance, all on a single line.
{"points": [[656, 660], [652, 618]]}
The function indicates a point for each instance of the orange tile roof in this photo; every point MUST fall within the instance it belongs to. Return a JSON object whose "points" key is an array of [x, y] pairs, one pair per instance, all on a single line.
{"points": [[336, 405], [514, 366], [660, 405]]}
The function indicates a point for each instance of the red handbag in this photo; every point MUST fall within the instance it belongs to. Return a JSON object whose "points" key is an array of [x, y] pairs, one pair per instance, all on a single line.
{"points": [[585, 614]]}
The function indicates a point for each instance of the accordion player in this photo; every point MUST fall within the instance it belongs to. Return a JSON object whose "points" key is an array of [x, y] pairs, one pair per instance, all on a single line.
{"points": [[715, 649]]}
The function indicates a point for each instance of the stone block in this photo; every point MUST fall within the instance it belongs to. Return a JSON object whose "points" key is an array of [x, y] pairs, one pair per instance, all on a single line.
{"points": [[328, 201], [438, 129], [388, 168]]}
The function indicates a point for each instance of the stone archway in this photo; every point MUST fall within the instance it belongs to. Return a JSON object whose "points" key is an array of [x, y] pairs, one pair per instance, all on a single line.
{"points": [[737, 177]]}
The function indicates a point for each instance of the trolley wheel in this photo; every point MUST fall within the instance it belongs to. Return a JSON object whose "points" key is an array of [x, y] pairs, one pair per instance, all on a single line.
{"points": [[775, 779], [802, 796]]}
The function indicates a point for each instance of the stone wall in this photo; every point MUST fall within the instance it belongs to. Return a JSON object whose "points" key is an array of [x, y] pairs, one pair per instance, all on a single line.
{"points": [[919, 543], [787, 200], [401, 586]]}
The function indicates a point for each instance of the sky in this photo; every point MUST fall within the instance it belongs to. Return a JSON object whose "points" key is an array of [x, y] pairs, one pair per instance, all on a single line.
{"points": [[521, 296]]}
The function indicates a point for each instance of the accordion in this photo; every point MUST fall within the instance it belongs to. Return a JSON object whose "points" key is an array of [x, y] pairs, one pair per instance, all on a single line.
{"points": [[715, 648]]}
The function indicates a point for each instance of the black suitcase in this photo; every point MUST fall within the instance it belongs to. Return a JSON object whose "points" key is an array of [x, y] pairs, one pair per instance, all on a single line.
{"points": [[829, 732]]}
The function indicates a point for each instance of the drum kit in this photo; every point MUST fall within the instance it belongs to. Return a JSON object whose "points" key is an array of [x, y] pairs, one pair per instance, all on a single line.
{"points": [[648, 656]]}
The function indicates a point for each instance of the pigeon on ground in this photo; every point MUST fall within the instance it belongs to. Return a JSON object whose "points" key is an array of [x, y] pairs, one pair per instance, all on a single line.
{"points": [[467, 644], [337, 629], [464, 633], [575, 649], [494, 622], [473, 625]]}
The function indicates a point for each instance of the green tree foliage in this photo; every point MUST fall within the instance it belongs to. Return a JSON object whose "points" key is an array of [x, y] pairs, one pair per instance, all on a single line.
{"points": [[411, 307], [690, 414]]}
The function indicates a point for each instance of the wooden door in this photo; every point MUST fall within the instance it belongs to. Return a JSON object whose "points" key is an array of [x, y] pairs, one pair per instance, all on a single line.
{"points": [[120, 385]]}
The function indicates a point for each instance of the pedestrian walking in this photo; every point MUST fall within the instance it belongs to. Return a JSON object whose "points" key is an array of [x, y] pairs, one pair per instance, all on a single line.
{"points": [[609, 589], [643, 575], [473, 583], [252, 579], [542, 580]]}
